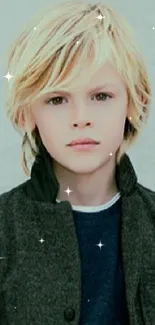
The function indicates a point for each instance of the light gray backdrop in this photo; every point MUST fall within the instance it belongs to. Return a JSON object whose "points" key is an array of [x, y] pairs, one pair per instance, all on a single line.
{"points": [[13, 14]]}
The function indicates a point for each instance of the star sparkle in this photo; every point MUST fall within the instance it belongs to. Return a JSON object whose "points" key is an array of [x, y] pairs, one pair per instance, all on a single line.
{"points": [[68, 191], [100, 244], [41, 240], [8, 76]]}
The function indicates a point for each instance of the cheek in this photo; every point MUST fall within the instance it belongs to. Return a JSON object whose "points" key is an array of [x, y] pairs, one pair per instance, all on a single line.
{"points": [[115, 120], [52, 128], [51, 134], [46, 123], [113, 130]]}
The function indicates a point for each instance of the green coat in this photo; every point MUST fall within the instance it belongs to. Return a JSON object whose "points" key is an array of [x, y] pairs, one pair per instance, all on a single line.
{"points": [[40, 274]]}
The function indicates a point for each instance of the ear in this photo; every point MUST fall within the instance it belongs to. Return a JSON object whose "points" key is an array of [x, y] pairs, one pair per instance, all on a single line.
{"points": [[19, 118], [141, 98], [21, 121]]}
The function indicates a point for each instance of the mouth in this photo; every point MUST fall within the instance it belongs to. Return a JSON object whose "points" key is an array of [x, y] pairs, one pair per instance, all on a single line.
{"points": [[83, 144]]}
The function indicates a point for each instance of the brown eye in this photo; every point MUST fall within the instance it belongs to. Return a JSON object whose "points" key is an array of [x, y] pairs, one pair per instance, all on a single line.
{"points": [[55, 100], [102, 95]]}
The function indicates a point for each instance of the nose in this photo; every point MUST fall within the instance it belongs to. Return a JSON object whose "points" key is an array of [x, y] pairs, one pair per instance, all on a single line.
{"points": [[80, 117], [81, 121], [82, 124]]}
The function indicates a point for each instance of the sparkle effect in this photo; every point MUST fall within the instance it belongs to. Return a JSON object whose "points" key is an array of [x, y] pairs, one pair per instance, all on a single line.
{"points": [[100, 244], [41, 240], [100, 17], [8, 76], [68, 191]]}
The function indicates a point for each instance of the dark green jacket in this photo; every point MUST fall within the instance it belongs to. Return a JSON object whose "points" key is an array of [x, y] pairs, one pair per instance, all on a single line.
{"points": [[40, 274]]}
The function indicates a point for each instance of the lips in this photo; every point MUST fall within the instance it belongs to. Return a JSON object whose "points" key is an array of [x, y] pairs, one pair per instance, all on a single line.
{"points": [[82, 142]]}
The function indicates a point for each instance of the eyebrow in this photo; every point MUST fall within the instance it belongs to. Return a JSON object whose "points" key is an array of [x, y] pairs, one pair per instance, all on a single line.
{"points": [[99, 87], [103, 86]]}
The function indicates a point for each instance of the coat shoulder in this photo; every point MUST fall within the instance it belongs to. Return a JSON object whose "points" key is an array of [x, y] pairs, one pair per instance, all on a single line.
{"points": [[146, 192], [7, 197]]}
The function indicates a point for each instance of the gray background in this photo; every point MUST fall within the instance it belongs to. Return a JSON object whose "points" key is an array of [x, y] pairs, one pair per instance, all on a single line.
{"points": [[13, 14]]}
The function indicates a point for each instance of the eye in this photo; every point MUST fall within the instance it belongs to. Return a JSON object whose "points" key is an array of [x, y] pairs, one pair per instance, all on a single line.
{"points": [[104, 94], [58, 99]]}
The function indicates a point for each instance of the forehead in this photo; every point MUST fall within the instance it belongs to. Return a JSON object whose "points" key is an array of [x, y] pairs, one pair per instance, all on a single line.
{"points": [[106, 74], [104, 65], [106, 77]]}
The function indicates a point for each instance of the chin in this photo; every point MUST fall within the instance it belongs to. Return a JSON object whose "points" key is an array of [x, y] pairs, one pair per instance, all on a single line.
{"points": [[83, 168]]}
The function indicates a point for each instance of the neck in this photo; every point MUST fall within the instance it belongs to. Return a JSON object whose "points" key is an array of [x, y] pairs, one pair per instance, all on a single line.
{"points": [[88, 189]]}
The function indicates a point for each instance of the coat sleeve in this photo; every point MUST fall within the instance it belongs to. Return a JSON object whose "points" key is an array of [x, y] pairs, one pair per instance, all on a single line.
{"points": [[4, 245]]}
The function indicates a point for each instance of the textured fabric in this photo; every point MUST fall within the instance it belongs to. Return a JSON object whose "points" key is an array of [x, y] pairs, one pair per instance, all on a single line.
{"points": [[40, 265], [103, 291]]}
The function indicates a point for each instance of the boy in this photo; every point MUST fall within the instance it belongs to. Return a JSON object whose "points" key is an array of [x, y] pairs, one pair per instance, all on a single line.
{"points": [[78, 237]]}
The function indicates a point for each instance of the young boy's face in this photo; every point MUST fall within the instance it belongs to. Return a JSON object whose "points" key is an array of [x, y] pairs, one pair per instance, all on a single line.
{"points": [[64, 119]]}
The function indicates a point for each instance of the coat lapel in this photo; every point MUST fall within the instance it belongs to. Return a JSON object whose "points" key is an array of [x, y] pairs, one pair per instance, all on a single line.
{"points": [[132, 216], [131, 245]]}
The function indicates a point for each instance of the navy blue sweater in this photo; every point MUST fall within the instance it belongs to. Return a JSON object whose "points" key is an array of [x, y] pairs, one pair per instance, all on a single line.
{"points": [[103, 289]]}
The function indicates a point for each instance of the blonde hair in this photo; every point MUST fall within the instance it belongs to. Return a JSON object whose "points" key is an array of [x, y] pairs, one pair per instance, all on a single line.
{"points": [[43, 56]]}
